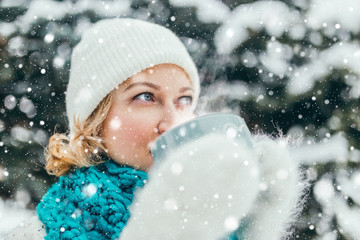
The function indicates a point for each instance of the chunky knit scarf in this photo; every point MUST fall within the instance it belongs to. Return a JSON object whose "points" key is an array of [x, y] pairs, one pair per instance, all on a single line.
{"points": [[90, 203]]}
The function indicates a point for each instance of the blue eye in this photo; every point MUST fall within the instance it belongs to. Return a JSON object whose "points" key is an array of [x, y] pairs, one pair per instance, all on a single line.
{"points": [[186, 100], [146, 96]]}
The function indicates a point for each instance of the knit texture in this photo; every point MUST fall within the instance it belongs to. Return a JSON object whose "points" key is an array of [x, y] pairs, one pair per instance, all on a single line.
{"points": [[90, 203], [112, 51]]}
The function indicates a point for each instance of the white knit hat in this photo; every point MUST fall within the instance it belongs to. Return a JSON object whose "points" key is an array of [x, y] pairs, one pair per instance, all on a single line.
{"points": [[112, 51]]}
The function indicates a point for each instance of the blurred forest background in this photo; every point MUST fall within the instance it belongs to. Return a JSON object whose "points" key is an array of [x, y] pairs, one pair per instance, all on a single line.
{"points": [[292, 65]]}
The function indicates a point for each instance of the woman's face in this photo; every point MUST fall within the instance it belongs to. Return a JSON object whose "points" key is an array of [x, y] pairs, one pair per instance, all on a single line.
{"points": [[145, 106]]}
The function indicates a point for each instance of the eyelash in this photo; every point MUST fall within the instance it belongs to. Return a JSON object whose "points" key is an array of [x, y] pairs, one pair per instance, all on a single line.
{"points": [[143, 93], [152, 96], [189, 97]]}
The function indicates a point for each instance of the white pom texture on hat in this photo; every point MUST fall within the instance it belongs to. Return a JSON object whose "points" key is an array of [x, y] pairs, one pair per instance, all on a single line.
{"points": [[112, 51]]}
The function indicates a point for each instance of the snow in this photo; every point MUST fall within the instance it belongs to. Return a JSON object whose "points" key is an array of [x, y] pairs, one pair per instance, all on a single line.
{"points": [[345, 13], [348, 219], [334, 149], [89, 190], [249, 59], [231, 223], [49, 38], [276, 58], [12, 3], [354, 83], [324, 191], [298, 31], [13, 214], [208, 11], [41, 136], [2, 128], [316, 38], [354, 155], [351, 186], [58, 62], [341, 55], [231, 132], [21, 134], [115, 124], [235, 89], [10, 102], [16, 46], [47, 9], [333, 204], [319, 22], [27, 107], [103, 8], [55, 10], [6, 29], [273, 16]]}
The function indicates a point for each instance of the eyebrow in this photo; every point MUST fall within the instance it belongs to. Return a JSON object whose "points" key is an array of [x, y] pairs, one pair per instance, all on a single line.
{"points": [[156, 87], [184, 89], [151, 85]]}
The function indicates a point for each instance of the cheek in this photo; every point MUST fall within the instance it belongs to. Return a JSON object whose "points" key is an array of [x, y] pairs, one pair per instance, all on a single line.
{"points": [[137, 130], [187, 115]]}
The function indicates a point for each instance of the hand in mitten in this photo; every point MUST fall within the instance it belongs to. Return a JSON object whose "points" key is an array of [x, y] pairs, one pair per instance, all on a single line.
{"points": [[32, 229], [200, 191], [280, 190]]}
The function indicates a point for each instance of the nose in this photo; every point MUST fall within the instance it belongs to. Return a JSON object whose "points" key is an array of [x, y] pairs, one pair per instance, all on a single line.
{"points": [[170, 118]]}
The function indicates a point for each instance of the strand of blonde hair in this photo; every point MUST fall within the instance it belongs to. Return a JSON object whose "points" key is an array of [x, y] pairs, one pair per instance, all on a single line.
{"points": [[83, 147]]}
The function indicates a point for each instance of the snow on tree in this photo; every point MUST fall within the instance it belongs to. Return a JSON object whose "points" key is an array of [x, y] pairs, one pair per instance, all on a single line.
{"points": [[289, 65]]}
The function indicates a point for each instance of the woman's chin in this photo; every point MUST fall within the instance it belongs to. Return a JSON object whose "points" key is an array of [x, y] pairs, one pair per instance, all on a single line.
{"points": [[145, 164]]}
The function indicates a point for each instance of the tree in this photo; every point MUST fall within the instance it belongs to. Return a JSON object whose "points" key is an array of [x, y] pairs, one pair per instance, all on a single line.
{"points": [[289, 65]]}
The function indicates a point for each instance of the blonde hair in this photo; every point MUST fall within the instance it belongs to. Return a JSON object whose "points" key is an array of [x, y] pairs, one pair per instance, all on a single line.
{"points": [[83, 148]]}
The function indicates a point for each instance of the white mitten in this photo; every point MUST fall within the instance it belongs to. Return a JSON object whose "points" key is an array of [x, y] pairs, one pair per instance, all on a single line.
{"points": [[200, 191], [32, 229], [280, 190]]}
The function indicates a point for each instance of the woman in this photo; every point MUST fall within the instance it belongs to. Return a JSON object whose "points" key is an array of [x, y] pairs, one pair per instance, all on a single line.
{"points": [[130, 81]]}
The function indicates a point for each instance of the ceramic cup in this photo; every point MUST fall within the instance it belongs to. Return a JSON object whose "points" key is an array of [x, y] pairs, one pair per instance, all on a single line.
{"points": [[230, 125]]}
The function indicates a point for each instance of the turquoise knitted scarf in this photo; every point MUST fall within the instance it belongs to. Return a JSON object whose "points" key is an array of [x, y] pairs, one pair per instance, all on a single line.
{"points": [[90, 203], [93, 203]]}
